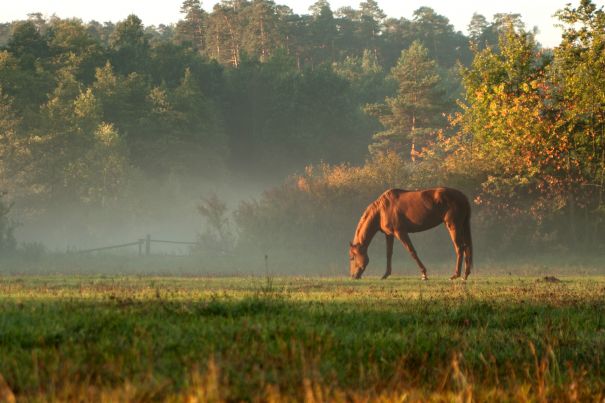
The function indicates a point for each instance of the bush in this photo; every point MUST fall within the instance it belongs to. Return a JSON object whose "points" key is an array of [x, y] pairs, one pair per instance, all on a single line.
{"points": [[217, 235]]}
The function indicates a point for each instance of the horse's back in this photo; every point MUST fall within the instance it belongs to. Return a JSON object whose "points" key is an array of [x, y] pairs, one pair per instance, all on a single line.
{"points": [[430, 196], [422, 209]]}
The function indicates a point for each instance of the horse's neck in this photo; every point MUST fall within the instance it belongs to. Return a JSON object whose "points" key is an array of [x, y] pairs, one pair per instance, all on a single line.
{"points": [[368, 227]]}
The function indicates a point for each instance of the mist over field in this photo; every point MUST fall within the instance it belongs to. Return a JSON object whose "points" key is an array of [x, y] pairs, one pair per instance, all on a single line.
{"points": [[166, 210]]}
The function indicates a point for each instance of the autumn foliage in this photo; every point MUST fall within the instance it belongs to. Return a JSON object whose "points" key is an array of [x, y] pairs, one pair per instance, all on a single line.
{"points": [[527, 144]]}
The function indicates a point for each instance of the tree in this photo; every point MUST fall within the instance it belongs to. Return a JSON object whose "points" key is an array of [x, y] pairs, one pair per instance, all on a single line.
{"points": [[27, 45], [192, 29], [126, 103], [296, 38], [579, 68], [129, 46], [5, 33], [436, 33], [366, 77], [503, 21], [322, 32], [101, 33], [510, 142], [13, 150], [24, 70], [483, 34], [218, 235], [476, 31], [347, 23], [225, 33], [65, 159], [410, 117], [71, 44], [179, 131], [372, 17], [261, 35], [398, 34], [8, 242]]}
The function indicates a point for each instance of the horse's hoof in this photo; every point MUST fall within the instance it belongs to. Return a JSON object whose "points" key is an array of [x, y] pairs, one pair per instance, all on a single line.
{"points": [[384, 277], [455, 276], [424, 278]]}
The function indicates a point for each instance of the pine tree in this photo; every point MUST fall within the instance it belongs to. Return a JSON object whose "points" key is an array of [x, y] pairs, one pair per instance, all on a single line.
{"points": [[322, 32], [261, 35], [192, 29], [476, 31], [372, 18], [413, 114], [225, 32], [130, 46]]}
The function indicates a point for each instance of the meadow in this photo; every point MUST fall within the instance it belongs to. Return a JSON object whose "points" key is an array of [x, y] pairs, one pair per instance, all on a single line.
{"points": [[313, 339]]}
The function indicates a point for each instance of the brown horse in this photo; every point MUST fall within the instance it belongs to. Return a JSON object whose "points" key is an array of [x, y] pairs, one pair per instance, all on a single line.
{"points": [[399, 212]]}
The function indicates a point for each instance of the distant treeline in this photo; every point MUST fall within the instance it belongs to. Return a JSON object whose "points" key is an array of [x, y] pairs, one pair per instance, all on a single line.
{"points": [[87, 110], [249, 87]]}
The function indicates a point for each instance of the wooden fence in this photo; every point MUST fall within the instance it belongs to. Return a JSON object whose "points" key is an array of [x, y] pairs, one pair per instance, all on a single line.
{"points": [[144, 244]]}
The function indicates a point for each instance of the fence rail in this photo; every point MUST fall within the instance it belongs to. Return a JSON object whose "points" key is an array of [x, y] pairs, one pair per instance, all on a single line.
{"points": [[141, 243], [175, 242], [109, 247]]}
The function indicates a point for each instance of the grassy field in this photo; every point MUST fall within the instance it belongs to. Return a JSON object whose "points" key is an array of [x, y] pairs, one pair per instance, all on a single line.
{"points": [[67, 338]]}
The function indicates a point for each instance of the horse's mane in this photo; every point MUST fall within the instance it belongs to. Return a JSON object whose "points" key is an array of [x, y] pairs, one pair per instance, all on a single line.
{"points": [[369, 215]]}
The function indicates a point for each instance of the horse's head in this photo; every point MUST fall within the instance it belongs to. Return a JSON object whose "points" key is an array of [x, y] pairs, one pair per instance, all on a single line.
{"points": [[359, 259]]}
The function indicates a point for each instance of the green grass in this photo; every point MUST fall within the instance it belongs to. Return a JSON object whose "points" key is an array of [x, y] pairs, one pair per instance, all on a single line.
{"points": [[314, 339]]}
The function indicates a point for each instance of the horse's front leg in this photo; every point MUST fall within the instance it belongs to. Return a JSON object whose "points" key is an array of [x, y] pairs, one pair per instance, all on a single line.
{"points": [[407, 242], [390, 239]]}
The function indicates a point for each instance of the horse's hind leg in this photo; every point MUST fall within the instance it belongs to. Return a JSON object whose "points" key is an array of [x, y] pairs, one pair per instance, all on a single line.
{"points": [[468, 246], [390, 239], [458, 241], [407, 242], [468, 262]]}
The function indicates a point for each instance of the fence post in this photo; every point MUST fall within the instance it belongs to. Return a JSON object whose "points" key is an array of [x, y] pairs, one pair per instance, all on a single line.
{"points": [[148, 245], [141, 241]]}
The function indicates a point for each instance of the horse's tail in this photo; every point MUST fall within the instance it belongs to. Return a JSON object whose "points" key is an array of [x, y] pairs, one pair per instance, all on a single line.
{"points": [[468, 240]]}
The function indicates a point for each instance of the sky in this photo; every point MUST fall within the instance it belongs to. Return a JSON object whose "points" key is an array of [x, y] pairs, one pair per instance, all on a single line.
{"points": [[537, 13]]}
